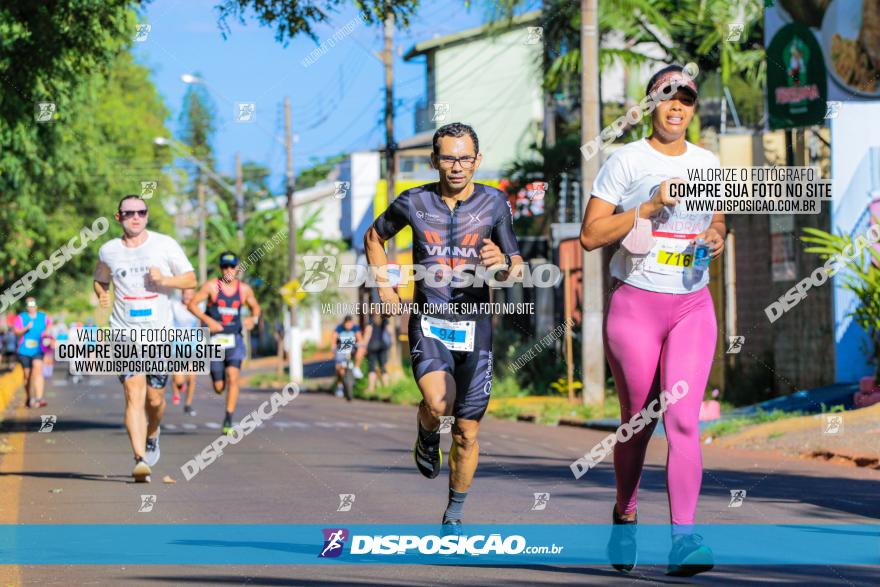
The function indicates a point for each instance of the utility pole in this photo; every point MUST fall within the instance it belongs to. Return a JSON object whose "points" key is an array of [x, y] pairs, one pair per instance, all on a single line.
{"points": [[239, 232], [394, 367], [295, 349], [592, 351], [203, 230], [239, 200]]}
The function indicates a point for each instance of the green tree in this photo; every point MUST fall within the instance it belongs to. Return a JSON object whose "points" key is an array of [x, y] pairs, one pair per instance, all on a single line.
{"points": [[53, 52], [100, 149], [292, 18], [255, 187], [264, 254], [198, 124], [317, 172], [861, 276]]}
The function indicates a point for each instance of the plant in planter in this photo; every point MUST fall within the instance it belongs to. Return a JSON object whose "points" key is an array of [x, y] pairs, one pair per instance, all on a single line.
{"points": [[861, 276]]}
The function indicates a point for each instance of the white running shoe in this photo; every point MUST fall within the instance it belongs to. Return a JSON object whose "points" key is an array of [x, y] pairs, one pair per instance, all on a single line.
{"points": [[151, 456], [358, 373]]}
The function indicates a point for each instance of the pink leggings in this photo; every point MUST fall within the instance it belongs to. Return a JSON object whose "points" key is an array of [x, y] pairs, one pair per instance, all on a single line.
{"points": [[652, 341]]}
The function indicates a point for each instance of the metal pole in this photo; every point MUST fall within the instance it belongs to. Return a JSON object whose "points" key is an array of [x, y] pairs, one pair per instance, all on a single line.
{"points": [[394, 366], [239, 200], [203, 229], [295, 350], [592, 350]]}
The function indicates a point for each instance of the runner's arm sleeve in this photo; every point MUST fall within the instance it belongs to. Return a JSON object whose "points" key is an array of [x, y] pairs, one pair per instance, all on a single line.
{"points": [[502, 232], [612, 181], [394, 218]]}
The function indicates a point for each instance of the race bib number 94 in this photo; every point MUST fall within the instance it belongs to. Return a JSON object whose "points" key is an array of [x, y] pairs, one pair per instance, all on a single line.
{"points": [[456, 336]]}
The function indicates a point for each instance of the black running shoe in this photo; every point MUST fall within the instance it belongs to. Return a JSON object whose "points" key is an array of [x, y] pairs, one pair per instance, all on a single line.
{"points": [[689, 556], [427, 454], [622, 547]]}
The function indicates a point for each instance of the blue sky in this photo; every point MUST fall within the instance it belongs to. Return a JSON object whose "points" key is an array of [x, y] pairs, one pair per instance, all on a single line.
{"points": [[337, 101]]}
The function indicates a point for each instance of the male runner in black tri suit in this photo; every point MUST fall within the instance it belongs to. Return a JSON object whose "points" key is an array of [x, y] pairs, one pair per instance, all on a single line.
{"points": [[225, 297], [455, 222]]}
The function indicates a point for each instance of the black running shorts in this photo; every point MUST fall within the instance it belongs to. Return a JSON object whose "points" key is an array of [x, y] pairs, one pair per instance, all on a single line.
{"points": [[472, 370]]}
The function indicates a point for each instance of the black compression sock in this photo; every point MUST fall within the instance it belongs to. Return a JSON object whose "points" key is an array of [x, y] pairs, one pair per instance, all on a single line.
{"points": [[428, 436], [228, 417], [456, 505]]}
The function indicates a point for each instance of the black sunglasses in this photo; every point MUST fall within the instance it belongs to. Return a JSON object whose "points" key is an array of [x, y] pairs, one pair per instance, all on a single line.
{"points": [[129, 213], [227, 266]]}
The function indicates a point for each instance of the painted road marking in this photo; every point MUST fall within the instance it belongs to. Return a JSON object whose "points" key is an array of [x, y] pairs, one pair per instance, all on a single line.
{"points": [[283, 425]]}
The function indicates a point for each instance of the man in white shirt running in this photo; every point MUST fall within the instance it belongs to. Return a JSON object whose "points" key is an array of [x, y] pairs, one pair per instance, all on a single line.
{"points": [[145, 268]]}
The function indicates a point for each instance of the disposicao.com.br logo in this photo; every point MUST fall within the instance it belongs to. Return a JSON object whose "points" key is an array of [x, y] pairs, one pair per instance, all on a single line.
{"points": [[430, 544]]}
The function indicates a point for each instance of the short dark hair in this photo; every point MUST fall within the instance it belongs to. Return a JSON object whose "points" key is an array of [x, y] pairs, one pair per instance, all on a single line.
{"points": [[348, 318], [130, 197], [456, 129]]}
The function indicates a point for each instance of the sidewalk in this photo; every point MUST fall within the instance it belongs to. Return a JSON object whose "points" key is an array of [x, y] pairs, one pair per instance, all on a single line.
{"points": [[854, 438]]}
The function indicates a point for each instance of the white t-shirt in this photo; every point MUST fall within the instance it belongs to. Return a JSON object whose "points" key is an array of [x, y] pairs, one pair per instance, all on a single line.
{"points": [[626, 180], [182, 317], [138, 302]]}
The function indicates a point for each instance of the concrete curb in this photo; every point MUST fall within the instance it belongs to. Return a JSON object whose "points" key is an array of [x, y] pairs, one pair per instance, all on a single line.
{"points": [[857, 460]]}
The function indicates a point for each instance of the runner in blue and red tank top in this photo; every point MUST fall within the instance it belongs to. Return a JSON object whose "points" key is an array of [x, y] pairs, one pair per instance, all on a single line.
{"points": [[225, 298]]}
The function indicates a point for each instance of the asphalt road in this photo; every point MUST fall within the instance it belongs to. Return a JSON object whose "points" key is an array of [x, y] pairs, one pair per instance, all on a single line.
{"points": [[292, 469]]}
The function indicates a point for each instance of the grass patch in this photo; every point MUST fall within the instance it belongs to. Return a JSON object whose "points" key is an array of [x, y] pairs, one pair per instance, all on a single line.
{"points": [[552, 413], [508, 401], [550, 409], [507, 411], [734, 425], [267, 379], [775, 435], [507, 387], [403, 391]]}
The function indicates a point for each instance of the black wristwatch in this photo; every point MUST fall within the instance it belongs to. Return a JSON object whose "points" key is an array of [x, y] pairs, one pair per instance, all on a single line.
{"points": [[507, 260]]}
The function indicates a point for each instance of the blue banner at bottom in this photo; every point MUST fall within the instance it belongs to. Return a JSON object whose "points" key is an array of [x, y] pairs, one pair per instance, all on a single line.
{"points": [[534, 544]]}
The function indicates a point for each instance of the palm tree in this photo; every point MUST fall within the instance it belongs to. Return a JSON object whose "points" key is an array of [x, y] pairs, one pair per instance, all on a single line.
{"points": [[264, 253]]}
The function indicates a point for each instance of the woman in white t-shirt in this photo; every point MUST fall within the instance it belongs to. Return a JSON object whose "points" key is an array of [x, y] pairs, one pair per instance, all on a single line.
{"points": [[660, 327]]}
